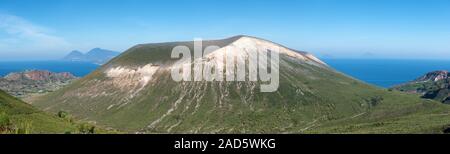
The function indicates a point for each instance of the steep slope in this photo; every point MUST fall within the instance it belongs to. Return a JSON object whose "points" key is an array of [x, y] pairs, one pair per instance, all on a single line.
{"points": [[18, 117], [134, 92], [434, 85]]}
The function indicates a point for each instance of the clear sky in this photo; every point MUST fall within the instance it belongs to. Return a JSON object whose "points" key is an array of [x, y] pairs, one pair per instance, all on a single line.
{"points": [[49, 29]]}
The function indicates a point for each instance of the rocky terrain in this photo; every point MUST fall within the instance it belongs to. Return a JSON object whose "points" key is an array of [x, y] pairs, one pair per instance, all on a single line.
{"points": [[24, 84], [434, 85]]}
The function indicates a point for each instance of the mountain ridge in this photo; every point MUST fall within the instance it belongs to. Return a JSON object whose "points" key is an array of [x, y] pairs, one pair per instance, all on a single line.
{"points": [[96, 55], [434, 76], [135, 93], [433, 85]]}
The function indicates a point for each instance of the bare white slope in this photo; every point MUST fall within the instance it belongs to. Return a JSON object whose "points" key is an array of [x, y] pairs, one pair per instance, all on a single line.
{"points": [[134, 79], [244, 45], [240, 49]]}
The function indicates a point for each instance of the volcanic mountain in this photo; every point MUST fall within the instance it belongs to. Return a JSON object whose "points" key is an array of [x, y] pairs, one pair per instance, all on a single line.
{"points": [[134, 92]]}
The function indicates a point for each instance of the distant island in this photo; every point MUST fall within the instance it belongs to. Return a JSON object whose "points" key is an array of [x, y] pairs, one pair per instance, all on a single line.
{"points": [[97, 56]]}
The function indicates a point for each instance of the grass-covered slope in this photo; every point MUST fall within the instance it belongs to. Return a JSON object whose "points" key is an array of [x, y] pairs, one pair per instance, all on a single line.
{"points": [[312, 98], [399, 113], [18, 117]]}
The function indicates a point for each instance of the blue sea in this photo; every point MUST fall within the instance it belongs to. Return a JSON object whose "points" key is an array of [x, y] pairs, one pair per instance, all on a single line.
{"points": [[387, 72], [79, 69], [380, 72]]}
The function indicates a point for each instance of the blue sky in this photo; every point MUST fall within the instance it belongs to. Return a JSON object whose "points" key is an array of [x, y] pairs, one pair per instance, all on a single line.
{"points": [[49, 29]]}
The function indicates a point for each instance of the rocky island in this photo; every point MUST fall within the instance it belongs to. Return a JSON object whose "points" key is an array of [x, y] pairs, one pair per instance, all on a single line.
{"points": [[24, 84], [433, 85]]}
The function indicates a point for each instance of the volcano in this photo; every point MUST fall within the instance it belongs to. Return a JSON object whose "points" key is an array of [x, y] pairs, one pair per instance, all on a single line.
{"points": [[135, 93]]}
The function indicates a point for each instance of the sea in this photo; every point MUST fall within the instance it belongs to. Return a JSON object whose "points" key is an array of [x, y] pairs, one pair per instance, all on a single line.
{"points": [[379, 72], [78, 69], [387, 72]]}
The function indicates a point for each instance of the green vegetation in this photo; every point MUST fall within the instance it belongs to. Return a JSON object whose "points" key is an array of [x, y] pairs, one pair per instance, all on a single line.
{"points": [[17, 117], [86, 129], [437, 90], [311, 98]]}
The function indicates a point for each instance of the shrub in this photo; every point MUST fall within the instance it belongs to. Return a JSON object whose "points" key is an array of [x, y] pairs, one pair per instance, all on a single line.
{"points": [[86, 129], [62, 114], [65, 115]]}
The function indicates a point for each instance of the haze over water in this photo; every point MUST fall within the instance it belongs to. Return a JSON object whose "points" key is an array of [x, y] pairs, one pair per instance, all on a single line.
{"points": [[387, 72], [78, 69], [379, 72]]}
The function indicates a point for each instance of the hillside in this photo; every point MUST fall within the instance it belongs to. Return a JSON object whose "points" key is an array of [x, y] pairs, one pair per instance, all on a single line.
{"points": [[19, 117], [134, 92], [434, 85]]}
